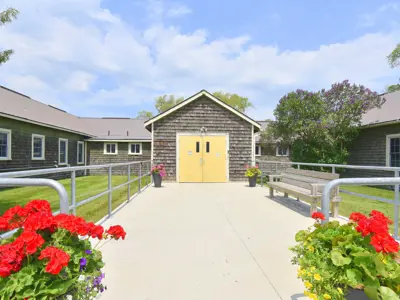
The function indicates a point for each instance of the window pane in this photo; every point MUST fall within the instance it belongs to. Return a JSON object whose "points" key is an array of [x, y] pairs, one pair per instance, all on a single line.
{"points": [[80, 152], [395, 160], [197, 147], [108, 148], [63, 153], [37, 147], [112, 148], [208, 147], [137, 148], [3, 144], [257, 150]]}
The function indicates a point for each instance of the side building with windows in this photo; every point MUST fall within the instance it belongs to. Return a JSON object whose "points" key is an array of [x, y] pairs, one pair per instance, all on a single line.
{"points": [[271, 152], [34, 135], [378, 143]]}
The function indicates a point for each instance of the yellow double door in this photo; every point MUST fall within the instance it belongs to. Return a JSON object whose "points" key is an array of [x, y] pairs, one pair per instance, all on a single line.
{"points": [[202, 158]]}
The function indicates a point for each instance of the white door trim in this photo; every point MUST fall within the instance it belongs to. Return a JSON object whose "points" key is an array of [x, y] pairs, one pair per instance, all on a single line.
{"points": [[179, 134]]}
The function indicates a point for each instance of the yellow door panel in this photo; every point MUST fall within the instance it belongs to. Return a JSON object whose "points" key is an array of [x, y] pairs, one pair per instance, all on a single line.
{"points": [[190, 159], [214, 159]]}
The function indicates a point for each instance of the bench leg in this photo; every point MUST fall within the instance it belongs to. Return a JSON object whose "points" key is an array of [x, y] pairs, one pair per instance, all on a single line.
{"points": [[286, 195], [271, 192], [314, 207], [298, 199]]}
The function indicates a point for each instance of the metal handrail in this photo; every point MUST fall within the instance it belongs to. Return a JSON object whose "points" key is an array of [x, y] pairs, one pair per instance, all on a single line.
{"points": [[9, 180], [362, 181]]}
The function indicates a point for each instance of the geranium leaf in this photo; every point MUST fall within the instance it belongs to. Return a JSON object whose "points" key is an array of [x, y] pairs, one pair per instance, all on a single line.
{"points": [[372, 293], [354, 276], [338, 259], [380, 266], [388, 294], [358, 254]]}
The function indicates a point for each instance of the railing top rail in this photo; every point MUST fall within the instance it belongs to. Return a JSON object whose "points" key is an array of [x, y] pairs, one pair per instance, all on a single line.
{"points": [[65, 169], [379, 168]]}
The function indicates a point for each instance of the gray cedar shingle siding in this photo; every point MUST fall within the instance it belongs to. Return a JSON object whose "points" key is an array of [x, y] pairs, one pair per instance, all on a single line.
{"points": [[203, 112], [369, 149], [96, 156], [21, 141]]}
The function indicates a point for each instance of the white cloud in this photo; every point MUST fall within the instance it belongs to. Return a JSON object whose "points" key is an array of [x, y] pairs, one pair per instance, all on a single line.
{"points": [[80, 81], [371, 19], [90, 60], [178, 11]]}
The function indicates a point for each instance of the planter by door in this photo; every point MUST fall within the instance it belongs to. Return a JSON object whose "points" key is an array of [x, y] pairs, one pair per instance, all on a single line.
{"points": [[157, 179], [356, 295], [252, 181]]}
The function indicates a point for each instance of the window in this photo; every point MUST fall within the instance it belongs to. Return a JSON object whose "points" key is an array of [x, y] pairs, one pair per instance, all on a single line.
{"points": [[5, 144], [208, 147], [197, 147], [110, 148], [135, 148], [258, 150], [393, 150], [81, 151], [62, 151], [282, 151], [37, 147]]}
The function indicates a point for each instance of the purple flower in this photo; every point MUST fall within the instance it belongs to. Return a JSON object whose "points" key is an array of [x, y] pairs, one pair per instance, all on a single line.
{"points": [[82, 263], [88, 251]]}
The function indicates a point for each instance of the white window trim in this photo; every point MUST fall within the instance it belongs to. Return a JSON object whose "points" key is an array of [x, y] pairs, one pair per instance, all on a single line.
{"points": [[9, 146], [129, 149], [66, 151], [255, 150], [388, 138], [42, 137], [83, 153], [277, 151], [105, 148]]}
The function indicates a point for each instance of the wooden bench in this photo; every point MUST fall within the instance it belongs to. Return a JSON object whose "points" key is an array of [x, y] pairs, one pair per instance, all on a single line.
{"points": [[305, 185]]}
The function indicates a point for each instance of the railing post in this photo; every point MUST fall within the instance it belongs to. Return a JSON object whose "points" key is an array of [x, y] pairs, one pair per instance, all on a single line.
{"points": [[109, 191], [140, 178], [333, 169], [129, 184], [396, 206], [298, 166], [73, 192]]}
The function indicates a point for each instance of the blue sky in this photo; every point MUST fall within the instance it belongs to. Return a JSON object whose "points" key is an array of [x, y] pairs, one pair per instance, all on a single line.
{"points": [[113, 57]]}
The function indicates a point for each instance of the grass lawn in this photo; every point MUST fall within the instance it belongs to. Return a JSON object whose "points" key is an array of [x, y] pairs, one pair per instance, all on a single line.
{"points": [[86, 187]]}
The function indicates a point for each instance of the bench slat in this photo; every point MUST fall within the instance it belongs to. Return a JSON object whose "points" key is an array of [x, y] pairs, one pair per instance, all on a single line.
{"points": [[312, 174]]}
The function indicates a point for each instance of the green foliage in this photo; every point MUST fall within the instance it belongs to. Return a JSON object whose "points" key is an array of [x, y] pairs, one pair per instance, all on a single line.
{"points": [[144, 114], [7, 16], [34, 283], [320, 125], [393, 88], [238, 102], [333, 258], [394, 57], [165, 102], [252, 171]]}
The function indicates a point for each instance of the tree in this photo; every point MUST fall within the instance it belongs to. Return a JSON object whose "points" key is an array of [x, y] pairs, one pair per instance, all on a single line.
{"points": [[165, 102], [238, 102], [394, 57], [394, 61], [320, 125], [144, 114], [7, 16]]}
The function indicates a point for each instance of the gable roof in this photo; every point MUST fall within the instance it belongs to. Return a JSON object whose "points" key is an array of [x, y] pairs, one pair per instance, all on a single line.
{"points": [[17, 106], [195, 97], [389, 113], [123, 129]]}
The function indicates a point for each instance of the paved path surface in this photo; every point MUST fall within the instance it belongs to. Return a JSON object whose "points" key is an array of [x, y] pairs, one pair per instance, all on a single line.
{"points": [[205, 242]]}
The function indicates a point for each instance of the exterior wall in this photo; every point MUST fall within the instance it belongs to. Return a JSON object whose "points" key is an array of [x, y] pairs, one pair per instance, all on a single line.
{"points": [[96, 156], [203, 112], [21, 145], [369, 149], [268, 153]]}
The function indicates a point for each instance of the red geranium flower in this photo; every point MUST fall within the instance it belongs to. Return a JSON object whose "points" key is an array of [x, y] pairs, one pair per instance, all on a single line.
{"points": [[31, 240], [57, 259], [356, 217], [384, 242], [116, 232], [318, 216], [38, 206]]}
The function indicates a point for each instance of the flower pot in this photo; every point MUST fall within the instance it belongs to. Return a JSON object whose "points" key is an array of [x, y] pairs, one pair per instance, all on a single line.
{"points": [[157, 179], [252, 181], [356, 295]]}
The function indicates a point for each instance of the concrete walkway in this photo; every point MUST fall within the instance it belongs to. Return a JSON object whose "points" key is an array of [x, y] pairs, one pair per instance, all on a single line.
{"points": [[205, 242]]}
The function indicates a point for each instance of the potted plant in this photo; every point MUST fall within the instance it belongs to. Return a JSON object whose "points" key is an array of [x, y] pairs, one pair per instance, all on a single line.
{"points": [[158, 172], [51, 257], [358, 260], [252, 173]]}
